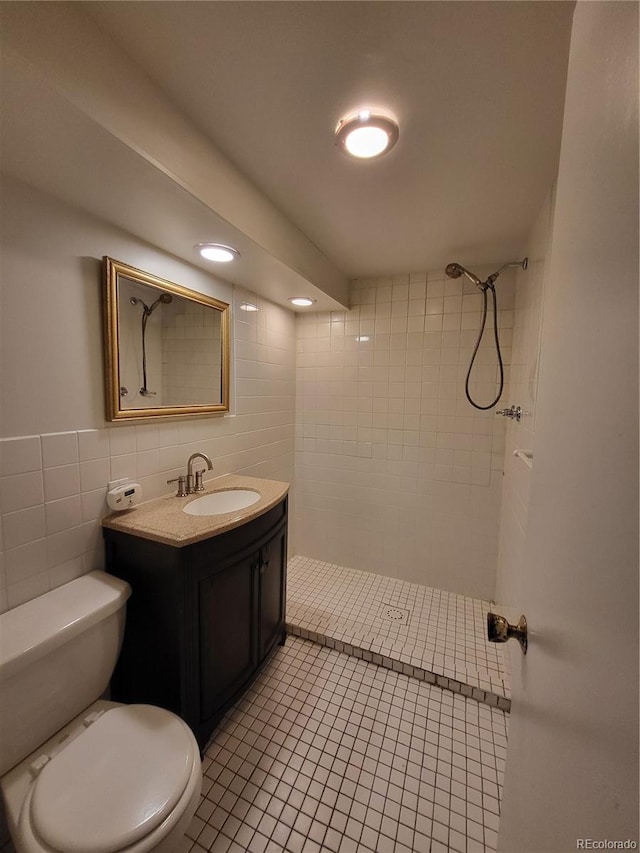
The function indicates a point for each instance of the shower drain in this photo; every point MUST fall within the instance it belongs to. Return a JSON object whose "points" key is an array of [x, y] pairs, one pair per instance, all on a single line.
{"points": [[395, 614]]}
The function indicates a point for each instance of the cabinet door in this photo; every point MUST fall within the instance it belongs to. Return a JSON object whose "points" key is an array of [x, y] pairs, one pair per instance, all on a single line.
{"points": [[227, 634], [271, 608]]}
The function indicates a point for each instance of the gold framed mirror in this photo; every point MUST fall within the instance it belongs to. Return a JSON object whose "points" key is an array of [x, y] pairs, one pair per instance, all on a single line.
{"points": [[166, 347]]}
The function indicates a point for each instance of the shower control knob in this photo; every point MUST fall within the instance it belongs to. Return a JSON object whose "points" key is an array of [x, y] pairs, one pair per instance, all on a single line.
{"points": [[499, 630], [515, 412]]}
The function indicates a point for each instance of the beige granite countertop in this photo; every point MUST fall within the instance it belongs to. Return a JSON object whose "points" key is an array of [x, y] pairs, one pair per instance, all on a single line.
{"points": [[162, 519]]}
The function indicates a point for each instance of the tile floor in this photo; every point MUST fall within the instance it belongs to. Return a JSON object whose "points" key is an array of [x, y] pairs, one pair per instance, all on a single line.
{"points": [[330, 754], [432, 632]]}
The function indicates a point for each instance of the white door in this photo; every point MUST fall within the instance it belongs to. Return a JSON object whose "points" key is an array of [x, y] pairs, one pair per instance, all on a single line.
{"points": [[572, 759]]}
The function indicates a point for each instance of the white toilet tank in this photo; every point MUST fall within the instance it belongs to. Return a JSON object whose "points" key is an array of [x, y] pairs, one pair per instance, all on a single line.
{"points": [[57, 654]]}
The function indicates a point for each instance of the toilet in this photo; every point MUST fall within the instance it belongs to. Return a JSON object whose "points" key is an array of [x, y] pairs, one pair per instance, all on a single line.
{"points": [[80, 774]]}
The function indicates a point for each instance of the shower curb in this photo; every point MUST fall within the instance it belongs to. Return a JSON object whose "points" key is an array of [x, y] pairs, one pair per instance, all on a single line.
{"points": [[484, 697]]}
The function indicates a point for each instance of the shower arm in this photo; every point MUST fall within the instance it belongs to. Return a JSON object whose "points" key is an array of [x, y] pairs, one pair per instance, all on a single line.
{"points": [[520, 264]]}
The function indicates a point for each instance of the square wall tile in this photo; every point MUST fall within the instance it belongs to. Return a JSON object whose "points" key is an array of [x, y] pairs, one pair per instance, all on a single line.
{"points": [[26, 560], [21, 490], [94, 475], [93, 444], [23, 526], [59, 448], [61, 482], [122, 440], [63, 513], [20, 455]]}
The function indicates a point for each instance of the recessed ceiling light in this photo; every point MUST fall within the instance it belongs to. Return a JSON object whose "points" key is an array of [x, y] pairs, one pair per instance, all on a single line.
{"points": [[367, 134], [248, 306], [217, 252], [301, 301]]}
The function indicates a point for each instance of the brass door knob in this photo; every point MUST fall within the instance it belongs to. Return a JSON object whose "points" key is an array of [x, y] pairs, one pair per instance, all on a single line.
{"points": [[499, 630]]}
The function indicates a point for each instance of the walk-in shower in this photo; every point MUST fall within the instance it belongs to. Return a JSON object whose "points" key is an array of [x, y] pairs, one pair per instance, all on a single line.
{"points": [[455, 270], [147, 311]]}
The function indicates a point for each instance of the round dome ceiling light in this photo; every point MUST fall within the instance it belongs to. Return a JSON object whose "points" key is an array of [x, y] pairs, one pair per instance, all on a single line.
{"points": [[367, 134], [301, 301], [217, 252]]}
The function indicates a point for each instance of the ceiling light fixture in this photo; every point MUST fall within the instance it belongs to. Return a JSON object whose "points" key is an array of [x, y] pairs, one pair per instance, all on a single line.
{"points": [[217, 252], [367, 134], [301, 301]]}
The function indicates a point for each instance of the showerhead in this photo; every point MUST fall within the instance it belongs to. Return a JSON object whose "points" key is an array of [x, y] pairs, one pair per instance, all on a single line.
{"points": [[456, 270], [164, 298], [452, 270]]}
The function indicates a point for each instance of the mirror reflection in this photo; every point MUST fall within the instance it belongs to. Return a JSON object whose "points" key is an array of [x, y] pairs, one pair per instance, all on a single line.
{"points": [[167, 347]]}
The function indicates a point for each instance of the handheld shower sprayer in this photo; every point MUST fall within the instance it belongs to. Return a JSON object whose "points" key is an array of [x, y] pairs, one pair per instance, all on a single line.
{"points": [[147, 311], [455, 270]]}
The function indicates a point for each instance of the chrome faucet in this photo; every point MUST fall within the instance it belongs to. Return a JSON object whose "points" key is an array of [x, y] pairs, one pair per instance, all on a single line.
{"points": [[192, 482], [197, 486]]}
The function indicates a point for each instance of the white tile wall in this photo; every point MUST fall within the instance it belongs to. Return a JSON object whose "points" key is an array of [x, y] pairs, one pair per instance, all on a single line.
{"points": [[53, 486], [395, 472], [190, 347]]}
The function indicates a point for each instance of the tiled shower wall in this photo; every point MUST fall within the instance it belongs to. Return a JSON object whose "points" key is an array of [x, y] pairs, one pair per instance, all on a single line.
{"points": [[395, 472], [191, 364], [53, 486]]}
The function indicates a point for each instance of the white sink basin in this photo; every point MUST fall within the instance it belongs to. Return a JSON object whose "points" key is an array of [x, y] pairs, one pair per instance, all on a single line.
{"points": [[218, 503]]}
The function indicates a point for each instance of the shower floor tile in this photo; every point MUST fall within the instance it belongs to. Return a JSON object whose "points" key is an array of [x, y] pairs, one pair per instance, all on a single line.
{"points": [[326, 753], [416, 629]]}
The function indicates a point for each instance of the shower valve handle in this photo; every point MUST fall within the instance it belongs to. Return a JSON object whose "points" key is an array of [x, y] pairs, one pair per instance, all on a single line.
{"points": [[515, 412]]}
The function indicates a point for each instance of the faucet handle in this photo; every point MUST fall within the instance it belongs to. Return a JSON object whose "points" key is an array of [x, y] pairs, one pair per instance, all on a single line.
{"points": [[182, 485], [199, 486]]}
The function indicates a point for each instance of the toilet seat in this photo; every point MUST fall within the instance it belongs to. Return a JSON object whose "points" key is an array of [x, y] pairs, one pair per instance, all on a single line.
{"points": [[114, 785]]}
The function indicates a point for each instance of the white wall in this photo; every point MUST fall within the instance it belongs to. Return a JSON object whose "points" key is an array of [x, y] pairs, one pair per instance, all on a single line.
{"points": [[572, 760], [524, 371], [395, 472], [56, 451]]}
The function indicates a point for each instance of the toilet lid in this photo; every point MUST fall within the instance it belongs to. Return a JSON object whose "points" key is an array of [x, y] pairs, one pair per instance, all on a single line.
{"points": [[115, 783]]}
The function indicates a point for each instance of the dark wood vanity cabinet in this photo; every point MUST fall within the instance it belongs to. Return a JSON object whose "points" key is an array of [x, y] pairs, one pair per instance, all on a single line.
{"points": [[202, 619]]}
